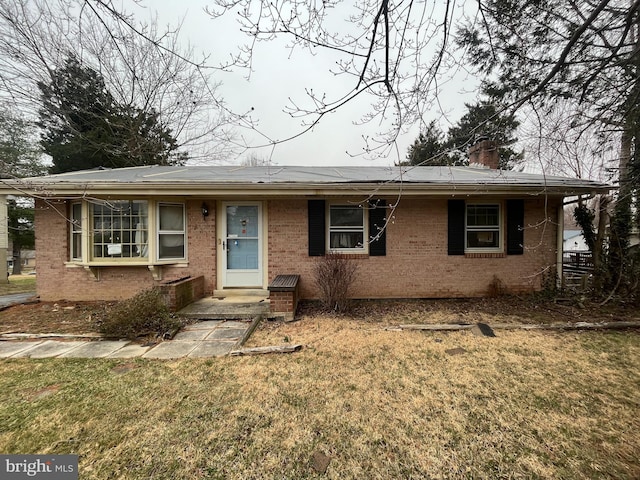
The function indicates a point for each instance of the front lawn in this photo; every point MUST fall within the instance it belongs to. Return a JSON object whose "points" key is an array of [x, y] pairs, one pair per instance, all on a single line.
{"points": [[380, 404], [18, 284]]}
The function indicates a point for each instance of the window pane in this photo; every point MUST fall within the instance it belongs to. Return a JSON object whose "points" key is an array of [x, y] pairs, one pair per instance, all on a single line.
{"points": [[483, 215], [171, 245], [242, 254], [482, 239], [76, 216], [346, 240], [242, 221], [344, 216], [171, 217], [76, 247]]}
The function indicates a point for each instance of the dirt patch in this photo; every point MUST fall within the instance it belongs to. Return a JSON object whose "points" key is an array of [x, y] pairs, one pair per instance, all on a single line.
{"points": [[41, 393], [54, 317], [506, 309]]}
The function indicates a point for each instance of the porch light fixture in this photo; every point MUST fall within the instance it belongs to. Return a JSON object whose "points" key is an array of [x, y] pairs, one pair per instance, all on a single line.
{"points": [[205, 210]]}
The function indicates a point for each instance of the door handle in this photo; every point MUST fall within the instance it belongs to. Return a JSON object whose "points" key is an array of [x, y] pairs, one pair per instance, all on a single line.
{"points": [[224, 246]]}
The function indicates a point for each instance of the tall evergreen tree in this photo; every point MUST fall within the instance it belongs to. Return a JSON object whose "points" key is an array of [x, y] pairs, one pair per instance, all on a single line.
{"points": [[482, 120], [485, 120], [84, 127], [429, 149], [20, 155]]}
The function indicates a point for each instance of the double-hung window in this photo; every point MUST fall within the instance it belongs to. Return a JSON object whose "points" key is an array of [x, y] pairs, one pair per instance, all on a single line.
{"points": [[483, 227], [347, 228], [171, 231]]}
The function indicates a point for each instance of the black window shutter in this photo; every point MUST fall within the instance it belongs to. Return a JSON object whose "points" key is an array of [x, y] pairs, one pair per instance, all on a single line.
{"points": [[457, 211], [515, 227], [317, 232], [377, 220]]}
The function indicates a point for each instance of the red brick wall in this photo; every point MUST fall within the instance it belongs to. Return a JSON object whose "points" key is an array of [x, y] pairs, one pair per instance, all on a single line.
{"points": [[201, 245], [282, 301], [57, 281], [417, 264], [181, 293]]}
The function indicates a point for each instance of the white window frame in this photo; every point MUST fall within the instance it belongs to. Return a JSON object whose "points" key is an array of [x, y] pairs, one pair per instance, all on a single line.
{"points": [[182, 232], [484, 228], [364, 248]]}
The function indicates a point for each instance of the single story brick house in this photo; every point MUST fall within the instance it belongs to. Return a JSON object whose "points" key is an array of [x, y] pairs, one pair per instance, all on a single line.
{"points": [[416, 232]]}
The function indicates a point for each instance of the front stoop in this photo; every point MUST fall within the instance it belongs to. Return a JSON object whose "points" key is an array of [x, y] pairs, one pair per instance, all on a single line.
{"points": [[233, 307], [279, 300]]}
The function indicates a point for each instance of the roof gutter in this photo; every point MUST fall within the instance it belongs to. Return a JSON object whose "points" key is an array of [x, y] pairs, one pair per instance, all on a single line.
{"points": [[80, 190], [580, 199]]}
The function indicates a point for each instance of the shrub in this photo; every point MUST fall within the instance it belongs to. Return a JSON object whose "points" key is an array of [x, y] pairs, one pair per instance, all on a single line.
{"points": [[496, 287], [334, 276], [143, 314]]}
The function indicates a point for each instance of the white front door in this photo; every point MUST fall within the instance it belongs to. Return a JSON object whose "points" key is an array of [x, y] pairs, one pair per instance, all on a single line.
{"points": [[241, 231]]}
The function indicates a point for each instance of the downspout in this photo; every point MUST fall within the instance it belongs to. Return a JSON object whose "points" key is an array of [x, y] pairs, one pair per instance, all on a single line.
{"points": [[559, 245]]}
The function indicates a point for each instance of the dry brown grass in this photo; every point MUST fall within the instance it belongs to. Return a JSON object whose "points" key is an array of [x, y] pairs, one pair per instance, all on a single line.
{"points": [[382, 404], [521, 404]]}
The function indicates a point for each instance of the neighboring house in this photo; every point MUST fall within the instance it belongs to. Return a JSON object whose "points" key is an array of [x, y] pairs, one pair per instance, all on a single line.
{"points": [[28, 260], [415, 231], [576, 254], [573, 241]]}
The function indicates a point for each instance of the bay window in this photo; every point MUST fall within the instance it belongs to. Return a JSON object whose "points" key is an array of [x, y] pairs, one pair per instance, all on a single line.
{"points": [[127, 231]]}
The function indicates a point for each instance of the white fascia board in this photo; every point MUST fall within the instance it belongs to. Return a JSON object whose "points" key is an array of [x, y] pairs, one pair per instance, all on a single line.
{"points": [[234, 190]]}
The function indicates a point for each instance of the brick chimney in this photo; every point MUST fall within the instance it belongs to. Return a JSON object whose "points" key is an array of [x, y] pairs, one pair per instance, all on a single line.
{"points": [[484, 153]]}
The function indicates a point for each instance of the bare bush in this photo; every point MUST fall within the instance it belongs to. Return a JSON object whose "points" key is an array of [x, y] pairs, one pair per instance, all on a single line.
{"points": [[143, 314], [334, 276], [497, 288]]}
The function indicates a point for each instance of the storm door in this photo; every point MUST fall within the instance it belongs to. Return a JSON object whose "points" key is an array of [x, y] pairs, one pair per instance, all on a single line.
{"points": [[242, 245]]}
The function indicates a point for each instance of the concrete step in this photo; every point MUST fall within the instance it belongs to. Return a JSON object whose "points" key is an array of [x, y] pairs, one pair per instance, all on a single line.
{"points": [[229, 308], [241, 292]]}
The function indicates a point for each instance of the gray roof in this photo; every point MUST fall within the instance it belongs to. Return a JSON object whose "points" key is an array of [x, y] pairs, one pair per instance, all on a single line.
{"points": [[189, 179]]}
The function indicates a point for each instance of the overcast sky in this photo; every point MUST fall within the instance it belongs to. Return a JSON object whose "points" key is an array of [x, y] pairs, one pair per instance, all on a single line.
{"points": [[278, 76]]}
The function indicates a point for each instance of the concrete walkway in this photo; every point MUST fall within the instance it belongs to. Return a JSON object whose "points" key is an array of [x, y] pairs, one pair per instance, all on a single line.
{"points": [[15, 298], [210, 338]]}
